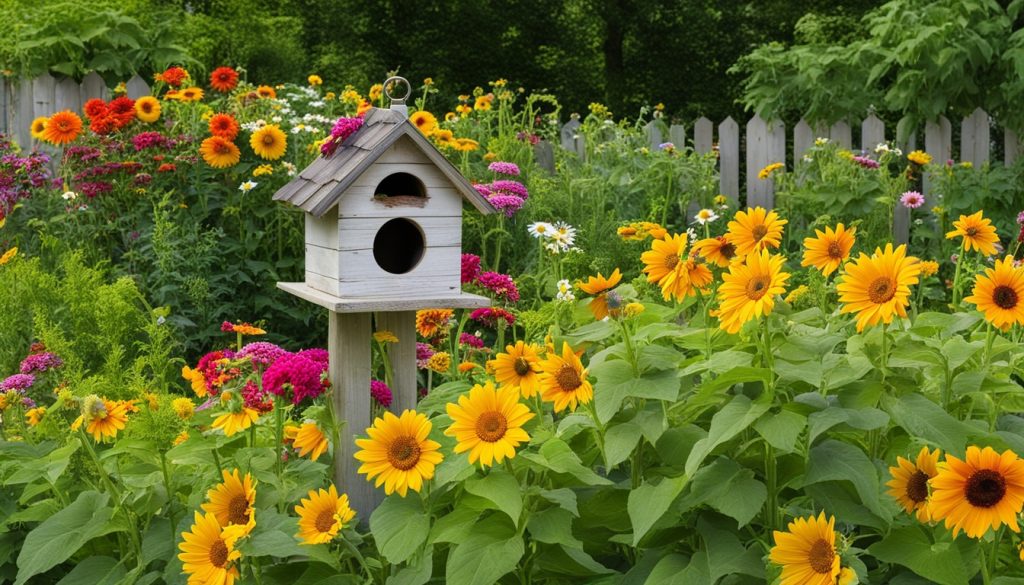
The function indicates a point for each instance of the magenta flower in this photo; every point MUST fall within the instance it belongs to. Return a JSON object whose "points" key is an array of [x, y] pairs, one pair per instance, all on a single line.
{"points": [[380, 392], [256, 399], [489, 316], [470, 268], [507, 204], [471, 340], [482, 189], [316, 354], [507, 187], [343, 128], [866, 162], [40, 362], [501, 285], [504, 168], [20, 382], [912, 200], [296, 377], [263, 353], [423, 354]]}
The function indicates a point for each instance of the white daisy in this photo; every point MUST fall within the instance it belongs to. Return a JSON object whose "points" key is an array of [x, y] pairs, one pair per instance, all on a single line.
{"points": [[705, 216], [70, 196], [247, 186], [540, 229]]}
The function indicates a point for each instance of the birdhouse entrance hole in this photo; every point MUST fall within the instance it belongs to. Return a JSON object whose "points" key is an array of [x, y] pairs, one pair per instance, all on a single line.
{"points": [[401, 189], [398, 245]]}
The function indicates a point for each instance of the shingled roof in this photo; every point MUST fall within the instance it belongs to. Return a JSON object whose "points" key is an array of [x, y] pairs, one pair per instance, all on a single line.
{"points": [[319, 186]]}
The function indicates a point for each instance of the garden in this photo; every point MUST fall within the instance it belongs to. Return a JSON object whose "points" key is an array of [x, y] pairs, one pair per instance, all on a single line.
{"points": [[653, 369]]}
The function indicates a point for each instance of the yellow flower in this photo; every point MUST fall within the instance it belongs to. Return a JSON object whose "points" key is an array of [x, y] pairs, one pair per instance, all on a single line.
{"points": [[350, 96], [329, 96], [985, 489], [796, 294], [233, 501], [183, 407], [488, 423], [38, 127], [634, 309], [766, 172], [103, 418], [376, 91], [219, 153], [398, 452], [829, 249], [208, 552], [483, 103], [847, 576], [235, 422], [315, 80], [424, 121], [563, 380], [807, 552], [977, 232], [466, 367], [919, 157], [755, 229], [266, 92], [999, 294], [147, 109], [599, 287], [465, 144], [263, 170], [385, 337], [439, 362], [719, 251], [152, 400], [909, 483], [191, 94], [181, 438], [698, 276], [748, 290], [665, 265], [269, 142], [310, 440], [323, 515], [196, 379], [929, 268], [720, 200], [34, 415], [878, 287], [518, 368], [8, 255]]}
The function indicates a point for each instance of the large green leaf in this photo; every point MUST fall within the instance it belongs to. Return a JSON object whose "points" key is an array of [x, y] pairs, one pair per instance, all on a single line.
{"points": [[616, 382], [923, 418], [729, 488], [940, 562], [494, 550], [781, 430], [501, 488], [400, 526], [733, 419], [559, 457], [837, 461], [864, 419], [620, 440], [648, 503], [553, 526], [95, 571], [61, 535]]}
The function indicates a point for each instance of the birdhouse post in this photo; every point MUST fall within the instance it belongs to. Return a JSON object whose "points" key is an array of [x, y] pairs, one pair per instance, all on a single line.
{"points": [[383, 237]]}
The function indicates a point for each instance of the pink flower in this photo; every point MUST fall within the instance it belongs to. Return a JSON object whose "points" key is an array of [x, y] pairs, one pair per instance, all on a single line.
{"points": [[227, 327], [507, 204], [263, 353], [343, 128], [506, 187], [471, 340], [423, 353], [316, 354], [380, 393], [40, 362], [295, 376], [482, 189], [866, 162], [18, 382], [912, 200], [470, 268], [256, 399], [504, 168], [501, 285], [489, 316]]}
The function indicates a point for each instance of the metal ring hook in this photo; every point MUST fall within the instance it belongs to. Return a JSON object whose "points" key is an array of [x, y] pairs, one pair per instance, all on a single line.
{"points": [[396, 101]]}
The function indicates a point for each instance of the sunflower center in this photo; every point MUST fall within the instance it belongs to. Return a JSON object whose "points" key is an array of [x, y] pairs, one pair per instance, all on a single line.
{"points": [[221, 148], [971, 231], [404, 453], [268, 139], [757, 287], [881, 290], [671, 261], [834, 251], [521, 366], [325, 521], [147, 107], [917, 487], [985, 488], [238, 510], [759, 232], [218, 553], [728, 250], [491, 426], [1005, 297], [821, 556], [568, 378]]}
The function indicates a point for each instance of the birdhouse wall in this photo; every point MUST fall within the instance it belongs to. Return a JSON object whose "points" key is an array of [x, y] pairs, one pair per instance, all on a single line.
{"points": [[322, 253]]}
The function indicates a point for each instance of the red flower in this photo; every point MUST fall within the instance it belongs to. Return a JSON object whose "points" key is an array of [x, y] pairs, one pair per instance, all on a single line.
{"points": [[95, 108], [122, 109], [173, 77], [223, 79], [167, 168], [224, 125]]}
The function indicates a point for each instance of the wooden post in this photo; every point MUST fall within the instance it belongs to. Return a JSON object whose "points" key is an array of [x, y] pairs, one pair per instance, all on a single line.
{"points": [[729, 159], [137, 87], [653, 131], [974, 138], [572, 140], [403, 358], [703, 138], [803, 140], [872, 132], [349, 338], [544, 154], [841, 134], [1012, 147], [677, 135]]}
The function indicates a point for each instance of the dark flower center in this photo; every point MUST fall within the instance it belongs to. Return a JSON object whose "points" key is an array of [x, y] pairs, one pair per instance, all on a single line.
{"points": [[218, 553], [521, 366], [1005, 297], [834, 251], [404, 453], [881, 290], [821, 556], [971, 231], [757, 287], [728, 250], [238, 510], [268, 139], [325, 520], [671, 261], [917, 487], [491, 426], [759, 232], [985, 488], [568, 378]]}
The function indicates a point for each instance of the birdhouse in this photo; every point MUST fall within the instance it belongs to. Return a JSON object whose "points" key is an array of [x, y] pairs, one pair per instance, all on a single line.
{"points": [[383, 232]]}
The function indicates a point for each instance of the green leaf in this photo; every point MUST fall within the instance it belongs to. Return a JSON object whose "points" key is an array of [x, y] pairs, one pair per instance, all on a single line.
{"points": [[455, 526], [615, 382], [559, 457], [494, 550], [553, 526], [400, 526], [416, 573], [733, 419], [923, 418], [864, 419], [620, 440], [837, 461], [781, 430], [501, 488], [95, 571], [51, 466], [564, 497], [729, 488], [61, 535], [940, 562], [725, 555], [648, 503]]}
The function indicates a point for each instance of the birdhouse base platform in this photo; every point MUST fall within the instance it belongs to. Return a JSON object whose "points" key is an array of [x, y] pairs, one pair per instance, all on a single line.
{"points": [[407, 302]]}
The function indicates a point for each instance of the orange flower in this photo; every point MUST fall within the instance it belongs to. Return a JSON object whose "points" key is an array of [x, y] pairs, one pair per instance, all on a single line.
{"points": [[223, 79], [224, 125], [265, 91], [62, 128], [599, 287], [173, 76], [220, 153]]}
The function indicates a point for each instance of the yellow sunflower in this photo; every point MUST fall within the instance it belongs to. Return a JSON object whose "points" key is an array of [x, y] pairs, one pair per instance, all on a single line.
{"points": [[147, 109], [38, 127], [191, 94], [977, 232], [269, 142], [878, 287], [424, 121], [999, 294], [830, 249], [219, 153], [398, 452], [518, 368], [208, 552], [807, 552], [599, 287], [698, 276], [266, 92], [310, 440], [748, 290], [488, 423], [236, 422], [323, 515], [664, 265], [909, 483], [755, 229], [563, 380], [233, 501], [103, 418], [718, 250], [984, 490]]}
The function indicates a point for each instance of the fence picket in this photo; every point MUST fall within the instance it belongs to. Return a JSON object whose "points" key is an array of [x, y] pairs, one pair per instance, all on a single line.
{"points": [[729, 159], [703, 135], [572, 140], [137, 87], [93, 86], [872, 132], [677, 135], [1012, 147], [841, 134], [974, 138], [67, 96], [653, 131], [5, 103], [43, 88], [23, 110], [803, 140], [544, 154]]}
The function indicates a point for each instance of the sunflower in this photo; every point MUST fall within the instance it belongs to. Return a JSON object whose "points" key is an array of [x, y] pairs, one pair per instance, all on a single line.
{"points": [[323, 515], [878, 287], [748, 290], [147, 109], [62, 128], [424, 121], [984, 490], [269, 142], [233, 501], [482, 103], [465, 144], [310, 440], [223, 79], [807, 552], [398, 452], [999, 294], [191, 94], [266, 92], [518, 368], [432, 322], [38, 127], [830, 249], [208, 551], [220, 153], [599, 286], [488, 423], [235, 422], [664, 265], [698, 276], [224, 125], [103, 418], [977, 232], [718, 250], [563, 380], [909, 483], [755, 229]]}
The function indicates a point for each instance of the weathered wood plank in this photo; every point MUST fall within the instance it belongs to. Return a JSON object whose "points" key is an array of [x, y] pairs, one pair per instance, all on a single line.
{"points": [[403, 358], [544, 154], [322, 261], [975, 138], [393, 302], [93, 86], [653, 132], [67, 96], [841, 134], [729, 159], [766, 144], [572, 140], [5, 102], [1012, 147], [42, 95], [803, 140], [703, 135], [901, 215], [677, 135], [23, 113], [872, 132], [437, 273], [137, 87], [358, 233], [938, 143]]}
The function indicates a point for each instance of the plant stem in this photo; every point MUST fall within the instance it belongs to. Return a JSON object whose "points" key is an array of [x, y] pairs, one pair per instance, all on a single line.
{"points": [[170, 498], [884, 359], [771, 504], [989, 338], [956, 278], [279, 441]]}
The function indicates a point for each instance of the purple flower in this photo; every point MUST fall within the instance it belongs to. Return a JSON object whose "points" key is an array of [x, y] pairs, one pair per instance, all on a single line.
{"points": [[506, 187], [144, 140], [470, 268], [297, 376], [912, 200], [667, 146], [320, 356], [40, 362], [507, 204], [262, 352], [380, 393], [501, 285], [482, 189], [27, 402], [423, 353], [504, 168], [866, 162], [471, 340], [1020, 217], [343, 128], [18, 382]]}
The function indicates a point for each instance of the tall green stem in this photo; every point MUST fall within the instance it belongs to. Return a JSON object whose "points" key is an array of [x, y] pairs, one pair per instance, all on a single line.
{"points": [[278, 443], [956, 278], [771, 504]]}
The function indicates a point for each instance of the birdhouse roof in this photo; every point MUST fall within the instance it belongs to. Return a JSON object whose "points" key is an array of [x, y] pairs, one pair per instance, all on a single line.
{"points": [[319, 186]]}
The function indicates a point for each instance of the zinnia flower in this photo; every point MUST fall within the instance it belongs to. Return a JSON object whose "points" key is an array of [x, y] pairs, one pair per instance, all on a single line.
{"points": [[470, 268], [266, 92], [295, 376], [183, 408], [224, 125], [431, 323], [985, 489], [977, 232], [269, 142], [919, 157], [999, 293], [380, 393], [878, 287], [173, 76], [501, 285], [488, 423], [807, 552], [62, 128], [220, 153], [223, 79], [504, 168], [323, 515], [829, 249], [398, 452]]}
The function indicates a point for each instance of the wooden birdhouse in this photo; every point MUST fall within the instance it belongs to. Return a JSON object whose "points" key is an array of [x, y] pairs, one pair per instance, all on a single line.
{"points": [[384, 239]]}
